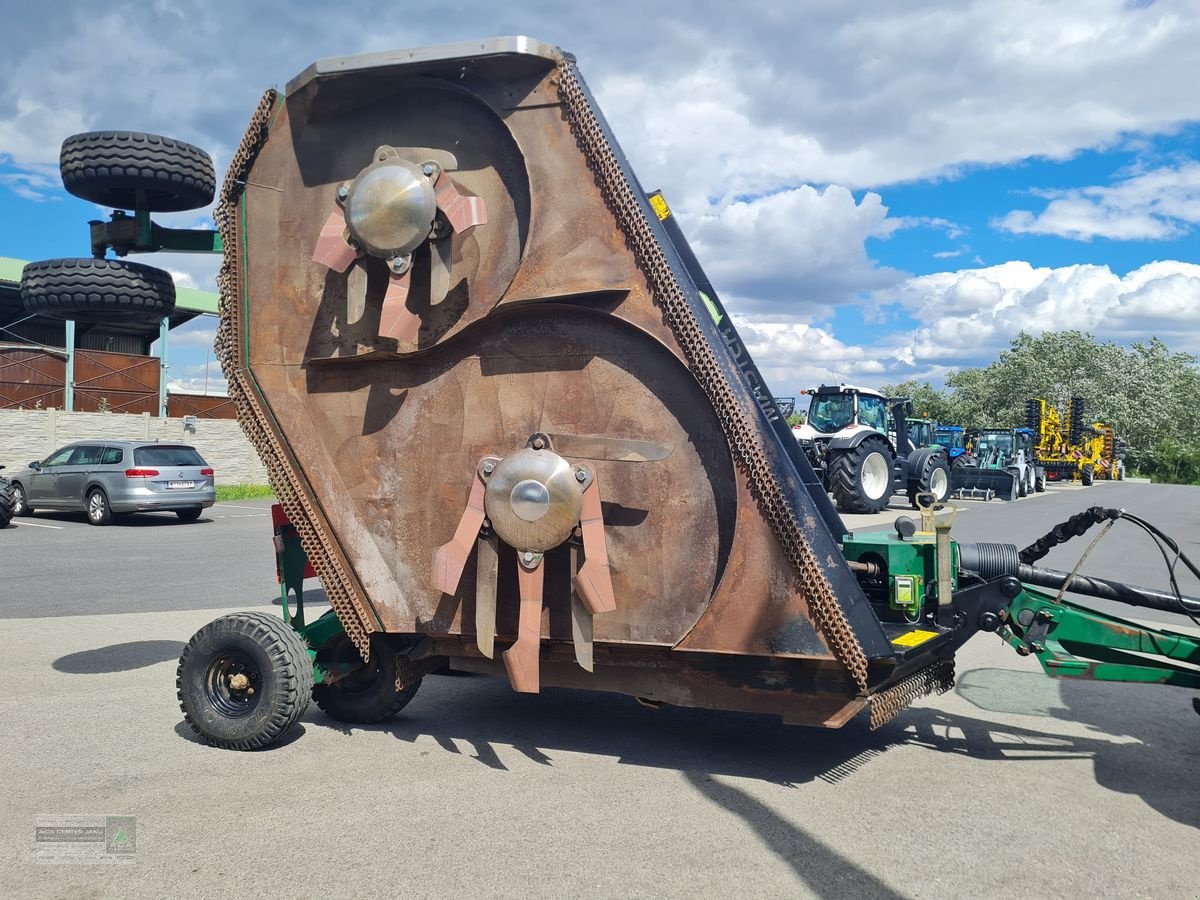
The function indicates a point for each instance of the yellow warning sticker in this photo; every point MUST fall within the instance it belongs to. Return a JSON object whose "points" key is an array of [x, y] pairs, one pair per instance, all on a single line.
{"points": [[914, 638], [660, 206]]}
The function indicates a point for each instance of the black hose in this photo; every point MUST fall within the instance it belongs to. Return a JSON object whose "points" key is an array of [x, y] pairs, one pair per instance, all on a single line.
{"points": [[1108, 590], [1073, 527]]}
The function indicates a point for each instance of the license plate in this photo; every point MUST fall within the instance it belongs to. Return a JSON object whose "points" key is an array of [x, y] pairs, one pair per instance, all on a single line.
{"points": [[180, 485]]}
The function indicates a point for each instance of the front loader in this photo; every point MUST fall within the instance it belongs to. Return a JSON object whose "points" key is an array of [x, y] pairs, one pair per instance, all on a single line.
{"points": [[514, 431]]}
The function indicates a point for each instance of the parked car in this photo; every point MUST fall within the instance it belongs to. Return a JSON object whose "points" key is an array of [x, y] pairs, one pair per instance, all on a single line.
{"points": [[107, 478]]}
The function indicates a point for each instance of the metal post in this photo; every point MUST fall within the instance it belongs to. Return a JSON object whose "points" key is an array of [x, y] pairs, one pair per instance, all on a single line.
{"points": [[69, 387], [164, 327]]}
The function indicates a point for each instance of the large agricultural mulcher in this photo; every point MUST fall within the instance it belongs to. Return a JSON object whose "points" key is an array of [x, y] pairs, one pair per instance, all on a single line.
{"points": [[515, 432]]}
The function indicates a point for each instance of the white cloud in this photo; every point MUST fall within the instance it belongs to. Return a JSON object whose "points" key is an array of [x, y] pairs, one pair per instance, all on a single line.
{"points": [[796, 252], [1156, 205]]}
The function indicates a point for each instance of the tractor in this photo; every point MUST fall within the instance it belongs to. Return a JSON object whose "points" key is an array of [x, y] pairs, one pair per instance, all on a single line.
{"points": [[848, 439], [514, 431], [952, 439], [1005, 466]]}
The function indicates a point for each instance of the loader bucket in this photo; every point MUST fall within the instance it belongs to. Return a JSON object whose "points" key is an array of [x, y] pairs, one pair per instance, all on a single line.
{"points": [[974, 483], [506, 411]]}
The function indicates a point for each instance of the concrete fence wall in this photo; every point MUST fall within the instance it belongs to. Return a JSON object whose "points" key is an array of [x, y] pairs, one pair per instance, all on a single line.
{"points": [[27, 434]]}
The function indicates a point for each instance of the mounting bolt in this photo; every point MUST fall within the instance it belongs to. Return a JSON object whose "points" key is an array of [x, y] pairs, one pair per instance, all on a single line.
{"points": [[428, 168], [343, 192], [400, 265], [489, 468], [528, 556], [538, 443], [580, 476]]}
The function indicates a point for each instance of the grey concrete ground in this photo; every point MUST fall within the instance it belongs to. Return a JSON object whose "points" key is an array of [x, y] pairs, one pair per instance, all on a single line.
{"points": [[1013, 785]]}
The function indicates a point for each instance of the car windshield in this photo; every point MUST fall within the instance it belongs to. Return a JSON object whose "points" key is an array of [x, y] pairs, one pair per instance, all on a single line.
{"points": [[828, 413], [166, 455], [1002, 442]]}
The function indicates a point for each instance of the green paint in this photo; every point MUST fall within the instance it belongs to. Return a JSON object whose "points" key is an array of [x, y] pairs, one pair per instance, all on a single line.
{"points": [[713, 311]]}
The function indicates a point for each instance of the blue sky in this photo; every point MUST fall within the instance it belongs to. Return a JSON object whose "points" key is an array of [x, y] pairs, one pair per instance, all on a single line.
{"points": [[878, 191]]}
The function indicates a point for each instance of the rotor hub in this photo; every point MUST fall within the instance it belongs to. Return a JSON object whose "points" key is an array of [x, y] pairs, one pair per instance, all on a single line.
{"points": [[390, 207], [533, 499]]}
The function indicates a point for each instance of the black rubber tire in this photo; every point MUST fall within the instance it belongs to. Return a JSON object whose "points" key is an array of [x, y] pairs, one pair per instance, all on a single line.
{"points": [[1022, 483], [963, 459], [8, 503], [368, 695], [191, 514], [21, 505], [1087, 476], [845, 477], [279, 665], [96, 507], [97, 290], [924, 481], [1039, 482], [108, 167]]}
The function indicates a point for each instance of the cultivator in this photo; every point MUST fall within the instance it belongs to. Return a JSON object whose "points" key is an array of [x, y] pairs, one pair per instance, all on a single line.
{"points": [[514, 430]]}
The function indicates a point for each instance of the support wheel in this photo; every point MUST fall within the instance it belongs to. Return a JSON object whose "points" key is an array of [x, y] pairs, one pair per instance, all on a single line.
{"points": [[98, 510], [97, 290], [8, 503], [1087, 476], [860, 479], [189, 515], [244, 680], [368, 694], [111, 167], [21, 505]]}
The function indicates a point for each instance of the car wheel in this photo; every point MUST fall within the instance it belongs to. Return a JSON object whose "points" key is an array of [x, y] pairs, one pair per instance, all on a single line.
{"points": [[368, 694], [21, 505], [189, 515], [98, 511], [244, 680], [111, 167], [97, 290]]}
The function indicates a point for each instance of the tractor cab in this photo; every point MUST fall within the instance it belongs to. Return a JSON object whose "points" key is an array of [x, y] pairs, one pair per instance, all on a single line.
{"points": [[843, 410]]}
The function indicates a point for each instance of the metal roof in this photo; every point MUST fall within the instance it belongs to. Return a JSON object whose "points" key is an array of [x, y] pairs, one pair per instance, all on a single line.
{"points": [[187, 300]]}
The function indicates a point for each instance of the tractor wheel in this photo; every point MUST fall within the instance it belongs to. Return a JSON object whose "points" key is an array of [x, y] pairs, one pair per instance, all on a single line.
{"points": [[1024, 482], [861, 479], [111, 167], [97, 290], [8, 503], [963, 459], [244, 680], [368, 694], [1039, 482], [934, 478], [1087, 476]]}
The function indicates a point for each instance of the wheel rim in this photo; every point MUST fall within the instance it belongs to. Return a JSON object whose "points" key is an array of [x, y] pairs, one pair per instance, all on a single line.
{"points": [[876, 476], [939, 484], [18, 500], [233, 684], [96, 506]]}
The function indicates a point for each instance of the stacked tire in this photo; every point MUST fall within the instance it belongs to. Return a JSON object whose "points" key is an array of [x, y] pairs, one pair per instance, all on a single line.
{"points": [[125, 170]]}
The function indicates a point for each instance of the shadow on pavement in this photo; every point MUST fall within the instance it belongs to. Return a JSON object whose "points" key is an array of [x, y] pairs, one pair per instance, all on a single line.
{"points": [[118, 657], [1158, 764], [823, 870]]}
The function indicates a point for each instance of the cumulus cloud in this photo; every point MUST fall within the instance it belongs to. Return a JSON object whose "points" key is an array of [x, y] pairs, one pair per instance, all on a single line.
{"points": [[798, 252], [1156, 205]]}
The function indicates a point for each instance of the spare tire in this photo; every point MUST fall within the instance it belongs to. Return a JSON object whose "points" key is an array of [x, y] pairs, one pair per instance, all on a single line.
{"points": [[110, 167], [97, 290]]}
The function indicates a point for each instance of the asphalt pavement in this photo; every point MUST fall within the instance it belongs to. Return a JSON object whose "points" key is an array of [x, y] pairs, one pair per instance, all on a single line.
{"points": [[1012, 785]]}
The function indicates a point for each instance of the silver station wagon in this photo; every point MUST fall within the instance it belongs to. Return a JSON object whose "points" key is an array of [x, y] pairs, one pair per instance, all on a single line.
{"points": [[107, 478]]}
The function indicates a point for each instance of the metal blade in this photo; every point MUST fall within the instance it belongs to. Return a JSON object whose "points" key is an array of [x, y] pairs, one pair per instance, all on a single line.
{"points": [[450, 559], [523, 657], [332, 249], [396, 320], [581, 622], [439, 270], [599, 447], [486, 573], [462, 211]]}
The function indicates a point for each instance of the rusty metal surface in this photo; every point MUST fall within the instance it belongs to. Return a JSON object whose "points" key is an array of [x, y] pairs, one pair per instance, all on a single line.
{"points": [[558, 318]]}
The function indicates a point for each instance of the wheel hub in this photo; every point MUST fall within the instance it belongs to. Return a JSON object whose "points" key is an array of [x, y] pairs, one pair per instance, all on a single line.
{"points": [[391, 206], [533, 499]]}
